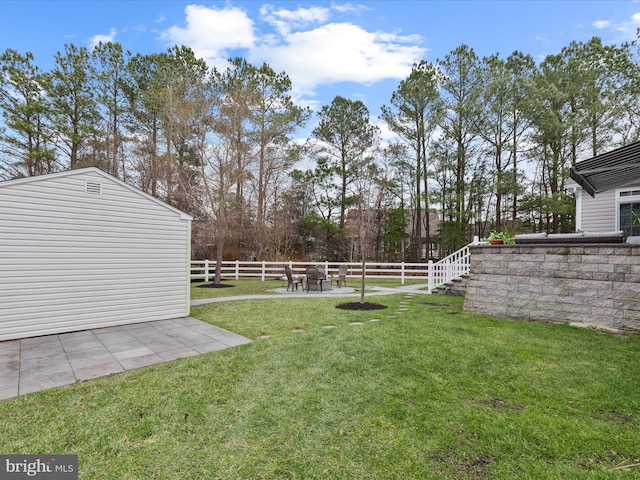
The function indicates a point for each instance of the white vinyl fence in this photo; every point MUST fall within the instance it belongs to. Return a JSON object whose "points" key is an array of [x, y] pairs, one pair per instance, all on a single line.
{"points": [[433, 274]]}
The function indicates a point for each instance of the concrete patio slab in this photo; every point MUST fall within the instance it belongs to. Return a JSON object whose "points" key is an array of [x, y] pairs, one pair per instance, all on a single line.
{"points": [[34, 364]]}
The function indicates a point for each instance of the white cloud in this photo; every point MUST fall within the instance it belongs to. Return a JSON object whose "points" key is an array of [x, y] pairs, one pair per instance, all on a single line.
{"points": [[542, 38], [284, 21], [300, 42], [626, 30], [349, 8], [96, 39], [212, 32], [339, 52]]}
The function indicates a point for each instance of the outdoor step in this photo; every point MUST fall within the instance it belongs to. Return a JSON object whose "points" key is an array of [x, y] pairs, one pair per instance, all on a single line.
{"points": [[456, 287]]}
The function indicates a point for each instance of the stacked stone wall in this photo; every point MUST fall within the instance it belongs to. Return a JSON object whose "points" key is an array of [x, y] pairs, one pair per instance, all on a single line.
{"points": [[590, 284]]}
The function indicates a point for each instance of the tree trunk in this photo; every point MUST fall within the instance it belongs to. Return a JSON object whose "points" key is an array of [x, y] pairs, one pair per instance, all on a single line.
{"points": [[362, 282], [219, 252]]}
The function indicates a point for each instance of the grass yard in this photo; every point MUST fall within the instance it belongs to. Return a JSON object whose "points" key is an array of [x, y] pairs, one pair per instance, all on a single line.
{"points": [[425, 392]]}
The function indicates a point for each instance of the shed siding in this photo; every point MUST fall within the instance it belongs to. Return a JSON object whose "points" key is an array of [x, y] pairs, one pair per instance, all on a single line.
{"points": [[599, 213], [71, 261]]}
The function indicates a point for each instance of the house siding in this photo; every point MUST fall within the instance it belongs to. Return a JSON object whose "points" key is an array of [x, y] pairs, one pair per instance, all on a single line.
{"points": [[599, 213], [72, 261]]}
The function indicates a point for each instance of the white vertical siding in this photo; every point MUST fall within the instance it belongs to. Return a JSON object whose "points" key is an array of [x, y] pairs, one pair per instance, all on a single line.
{"points": [[72, 259]]}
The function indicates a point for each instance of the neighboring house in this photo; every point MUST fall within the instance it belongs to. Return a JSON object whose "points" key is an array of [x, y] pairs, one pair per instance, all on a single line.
{"points": [[81, 249], [432, 251], [607, 189], [353, 224]]}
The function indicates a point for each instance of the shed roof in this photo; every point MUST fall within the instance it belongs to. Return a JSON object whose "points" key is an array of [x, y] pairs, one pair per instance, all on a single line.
{"points": [[609, 170]]}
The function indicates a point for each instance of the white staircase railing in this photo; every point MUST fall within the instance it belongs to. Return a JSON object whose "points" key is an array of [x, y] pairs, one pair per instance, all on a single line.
{"points": [[454, 266]]}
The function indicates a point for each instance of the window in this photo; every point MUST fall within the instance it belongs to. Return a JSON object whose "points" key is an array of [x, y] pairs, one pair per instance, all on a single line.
{"points": [[629, 212]]}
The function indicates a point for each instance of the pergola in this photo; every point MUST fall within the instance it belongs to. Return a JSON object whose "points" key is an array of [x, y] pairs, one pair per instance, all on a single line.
{"points": [[609, 170]]}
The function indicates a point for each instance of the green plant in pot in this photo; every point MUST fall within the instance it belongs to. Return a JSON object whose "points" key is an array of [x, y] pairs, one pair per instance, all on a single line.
{"points": [[496, 238]]}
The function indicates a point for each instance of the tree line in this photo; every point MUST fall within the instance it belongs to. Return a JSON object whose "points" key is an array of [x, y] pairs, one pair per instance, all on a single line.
{"points": [[480, 143]]}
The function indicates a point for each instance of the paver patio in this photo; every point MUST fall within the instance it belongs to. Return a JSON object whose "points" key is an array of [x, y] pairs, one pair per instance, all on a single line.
{"points": [[33, 364]]}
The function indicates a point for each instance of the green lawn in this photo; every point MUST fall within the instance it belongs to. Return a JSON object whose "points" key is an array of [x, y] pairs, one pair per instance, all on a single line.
{"points": [[425, 392]]}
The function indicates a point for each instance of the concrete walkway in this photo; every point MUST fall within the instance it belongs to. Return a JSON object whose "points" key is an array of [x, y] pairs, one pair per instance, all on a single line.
{"points": [[39, 363], [345, 292]]}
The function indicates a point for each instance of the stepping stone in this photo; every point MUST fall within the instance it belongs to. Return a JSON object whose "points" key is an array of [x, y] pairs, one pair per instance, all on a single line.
{"points": [[356, 323], [298, 330], [265, 336], [328, 326], [374, 320]]}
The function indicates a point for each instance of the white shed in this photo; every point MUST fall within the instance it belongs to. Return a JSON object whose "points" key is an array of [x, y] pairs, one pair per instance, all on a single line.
{"points": [[81, 249]]}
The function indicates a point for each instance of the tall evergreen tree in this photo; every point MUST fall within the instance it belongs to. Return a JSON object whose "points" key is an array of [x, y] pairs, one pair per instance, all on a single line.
{"points": [[521, 69], [345, 138], [110, 64], [26, 141], [74, 106], [552, 115], [462, 86], [274, 118], [146, 79], [415, 112]]}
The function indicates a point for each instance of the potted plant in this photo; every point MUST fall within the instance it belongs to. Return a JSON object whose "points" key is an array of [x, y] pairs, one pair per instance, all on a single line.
{"points": [[499, 238]]}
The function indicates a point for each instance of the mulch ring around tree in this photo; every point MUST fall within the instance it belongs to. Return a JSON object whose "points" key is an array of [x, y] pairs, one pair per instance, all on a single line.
{"points": [[361, 306], [215, 285]]}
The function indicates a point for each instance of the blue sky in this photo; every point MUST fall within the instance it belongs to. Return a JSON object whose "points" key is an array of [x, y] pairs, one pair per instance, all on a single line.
{"points": [[357, 49]]}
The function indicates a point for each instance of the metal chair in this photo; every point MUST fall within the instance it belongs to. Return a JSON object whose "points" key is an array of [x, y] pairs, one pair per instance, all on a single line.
{"points": [[291, 281]]}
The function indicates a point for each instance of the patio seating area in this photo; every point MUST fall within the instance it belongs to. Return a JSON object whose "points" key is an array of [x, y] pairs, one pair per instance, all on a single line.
{"points": [[315, 279]]}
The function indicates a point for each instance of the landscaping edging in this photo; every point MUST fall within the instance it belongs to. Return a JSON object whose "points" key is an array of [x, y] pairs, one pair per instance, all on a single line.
{"points": [[592, 284]]}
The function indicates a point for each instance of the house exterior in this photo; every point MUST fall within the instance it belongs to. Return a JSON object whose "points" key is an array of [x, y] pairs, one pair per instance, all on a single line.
{"points": [[81, 249], [428, 252], [607, 189]]}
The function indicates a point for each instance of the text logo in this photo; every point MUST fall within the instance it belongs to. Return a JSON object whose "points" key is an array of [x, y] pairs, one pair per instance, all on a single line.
{"points": [[49, 467]]}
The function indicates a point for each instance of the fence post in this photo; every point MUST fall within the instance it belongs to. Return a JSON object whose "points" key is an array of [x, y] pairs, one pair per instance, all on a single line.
{"points": [[237, 269], [264, 266], [430, 280], [206, 270], [402, 274]]}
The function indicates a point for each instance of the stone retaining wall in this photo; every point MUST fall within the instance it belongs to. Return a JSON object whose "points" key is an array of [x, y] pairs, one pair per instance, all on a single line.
{"points": [[590, 284]]}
